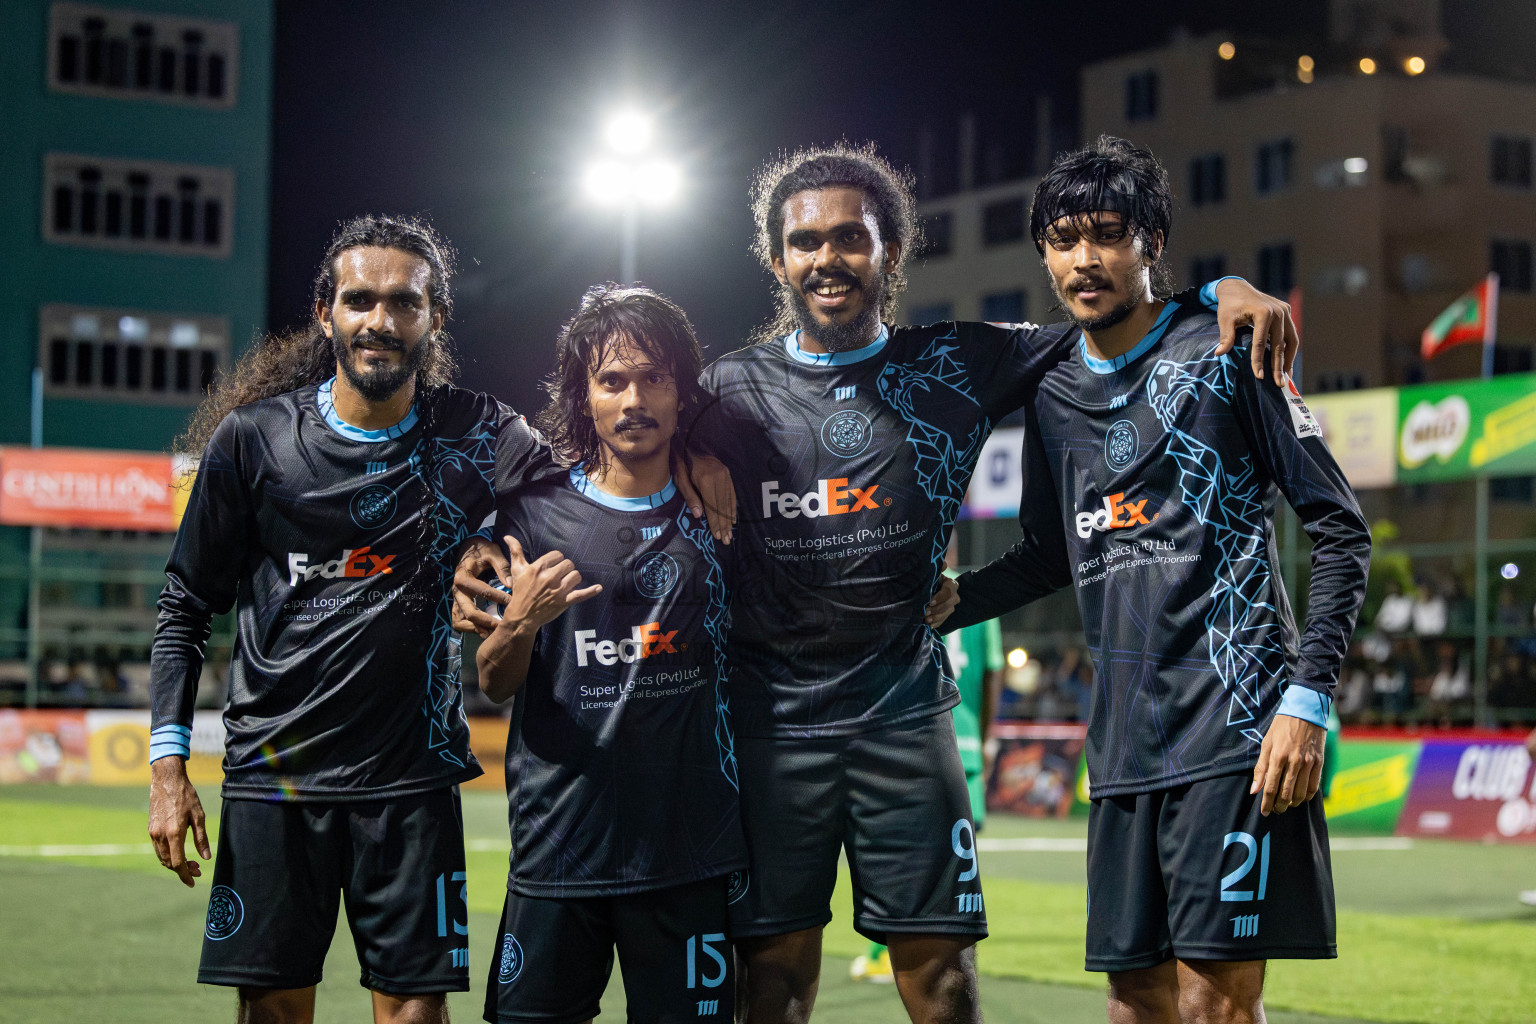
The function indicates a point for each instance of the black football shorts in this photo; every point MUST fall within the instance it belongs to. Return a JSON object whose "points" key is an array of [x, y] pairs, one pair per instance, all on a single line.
{"points": [[894, 798], [284, 868], [1194, 872], [553, 957]]}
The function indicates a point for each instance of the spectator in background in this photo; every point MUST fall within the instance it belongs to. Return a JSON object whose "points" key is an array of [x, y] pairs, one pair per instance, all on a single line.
{"points": [[1396, 612], [1429, 612], [1528, 897]]}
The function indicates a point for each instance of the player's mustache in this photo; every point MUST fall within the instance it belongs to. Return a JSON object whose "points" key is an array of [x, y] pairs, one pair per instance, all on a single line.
{"points": [[634, 423], [817, 280], [387, 342], [1083, 284]]}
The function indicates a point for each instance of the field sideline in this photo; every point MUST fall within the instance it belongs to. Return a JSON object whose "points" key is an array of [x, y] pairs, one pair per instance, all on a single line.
{"points": [[1428, 932]]}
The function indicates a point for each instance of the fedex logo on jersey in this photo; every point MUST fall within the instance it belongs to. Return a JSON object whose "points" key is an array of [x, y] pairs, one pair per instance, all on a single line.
{"points": [[1117, 514], [361, 562], [830, 498], [643, 642]]}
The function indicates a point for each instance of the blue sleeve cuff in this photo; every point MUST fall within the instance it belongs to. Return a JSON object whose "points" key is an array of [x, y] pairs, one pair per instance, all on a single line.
{"points": [[169, 740], [1208, 291], [1307, 705]]}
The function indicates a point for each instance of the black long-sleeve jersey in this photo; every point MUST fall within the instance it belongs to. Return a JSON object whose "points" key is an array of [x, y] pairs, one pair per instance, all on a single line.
{"points": [[1165, 464], [850, 468], [345, 679], [621, 766]]}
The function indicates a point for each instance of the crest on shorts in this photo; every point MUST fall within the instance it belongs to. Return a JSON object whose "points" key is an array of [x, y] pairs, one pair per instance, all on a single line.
{"points": [[847, 433], [736, 885], [511, 960], [225, 912], [373, 506], [655, 574], [1120, 444]]}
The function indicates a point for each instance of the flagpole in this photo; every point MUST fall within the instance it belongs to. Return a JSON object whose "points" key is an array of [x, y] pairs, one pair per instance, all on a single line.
{"points": [[1491, 325]]}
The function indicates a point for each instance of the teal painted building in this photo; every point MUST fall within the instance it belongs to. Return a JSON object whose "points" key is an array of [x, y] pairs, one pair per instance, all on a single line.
{"points": [[136, 170]]}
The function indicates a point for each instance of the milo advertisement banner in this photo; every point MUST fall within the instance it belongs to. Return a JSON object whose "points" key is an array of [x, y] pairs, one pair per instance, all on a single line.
{"points": [[1456, 429]]}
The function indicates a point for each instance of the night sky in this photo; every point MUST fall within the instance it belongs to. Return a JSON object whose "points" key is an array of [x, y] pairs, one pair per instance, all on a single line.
{"points": [[481, 115]]}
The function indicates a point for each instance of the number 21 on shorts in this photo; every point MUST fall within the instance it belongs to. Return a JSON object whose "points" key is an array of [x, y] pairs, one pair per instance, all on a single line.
{"points": [[1253, 850]]}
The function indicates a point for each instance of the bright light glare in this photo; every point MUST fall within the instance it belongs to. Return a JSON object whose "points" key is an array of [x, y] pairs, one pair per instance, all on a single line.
{"points": [[1414, 65], [1304, 76], [628, 133], [1509, 570], [1356, 165], [1018, 657], [617, 181], [1367, 66], [1305, 63], [1226, 51]]}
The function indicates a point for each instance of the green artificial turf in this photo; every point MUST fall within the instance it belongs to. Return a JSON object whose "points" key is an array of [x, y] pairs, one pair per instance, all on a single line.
{"points": [[1427, 934]]}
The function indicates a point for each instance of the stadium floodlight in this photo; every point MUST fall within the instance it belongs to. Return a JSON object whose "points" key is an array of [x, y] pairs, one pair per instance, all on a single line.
{"points": [[1367, 66], [1018, 657], [1226, 51], [620, 179], [1414, 65], [1356, 165], [628, 132], [1509, 570]]}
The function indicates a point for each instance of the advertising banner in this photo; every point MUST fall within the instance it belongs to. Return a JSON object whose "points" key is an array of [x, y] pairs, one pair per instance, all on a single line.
{"points": [[1452, 430], [999, 478], [1361, 430], [78, 487], [44, 746], [1036, 770], [1370, 785], [1472, 789]]}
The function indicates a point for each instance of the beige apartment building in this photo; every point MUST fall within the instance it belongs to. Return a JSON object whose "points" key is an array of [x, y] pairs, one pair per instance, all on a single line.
{"points": [[1377, 197]]}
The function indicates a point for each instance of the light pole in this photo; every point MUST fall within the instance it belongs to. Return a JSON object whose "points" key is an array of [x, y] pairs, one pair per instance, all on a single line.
{"points": [[626, 175]]}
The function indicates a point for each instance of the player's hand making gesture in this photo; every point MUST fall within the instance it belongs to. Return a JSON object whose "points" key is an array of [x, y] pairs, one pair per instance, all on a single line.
{"points": [[174, 808], [540, 591]]}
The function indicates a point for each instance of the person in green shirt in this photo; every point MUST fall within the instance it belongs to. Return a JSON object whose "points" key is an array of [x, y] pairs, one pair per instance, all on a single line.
{"points": [[976, 656]]}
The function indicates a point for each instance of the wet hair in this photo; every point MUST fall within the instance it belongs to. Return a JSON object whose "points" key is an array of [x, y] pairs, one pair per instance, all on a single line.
{"points": [[609, 314], [889, 191], [289, 360], [1109, 175]]}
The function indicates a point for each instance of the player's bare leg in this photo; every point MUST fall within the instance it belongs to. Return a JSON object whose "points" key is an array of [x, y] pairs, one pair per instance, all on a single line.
{"points": [[275, 1006], [1221, 992], [936, 976], [1149, 996], [425, 1009], [783, 973]]}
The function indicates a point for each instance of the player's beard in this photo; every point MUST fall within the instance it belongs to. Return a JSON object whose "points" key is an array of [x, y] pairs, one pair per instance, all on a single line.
{"points": [[1134, 290], [379, 381], [836, 337]]}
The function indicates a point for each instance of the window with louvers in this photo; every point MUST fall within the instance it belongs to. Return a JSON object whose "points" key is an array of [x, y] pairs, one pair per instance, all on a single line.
{"points": [[120, 53], [138, 205], [128, 355]]}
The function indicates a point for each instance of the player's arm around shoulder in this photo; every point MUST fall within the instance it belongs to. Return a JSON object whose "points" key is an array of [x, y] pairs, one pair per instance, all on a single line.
{"points": [[541, 591]]}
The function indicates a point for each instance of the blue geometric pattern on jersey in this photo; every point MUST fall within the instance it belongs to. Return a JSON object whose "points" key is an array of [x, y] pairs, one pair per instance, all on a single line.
{"points": [[470, 455], [942, 463], [717, 622], [1244, 646]]}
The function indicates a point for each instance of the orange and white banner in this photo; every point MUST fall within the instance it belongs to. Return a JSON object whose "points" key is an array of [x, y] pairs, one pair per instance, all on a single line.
{"points": [[79, 487]]}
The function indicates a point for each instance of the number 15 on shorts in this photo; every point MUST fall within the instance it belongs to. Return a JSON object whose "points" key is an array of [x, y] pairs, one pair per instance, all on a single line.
{"points": [[703, 943]]}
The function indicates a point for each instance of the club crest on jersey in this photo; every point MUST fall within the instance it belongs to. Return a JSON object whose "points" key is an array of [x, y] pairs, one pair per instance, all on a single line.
{"points": [[736, 885], [351, 564], [847, 433], [373, 506], [1117, 514], [1120, 444], [643, 642], [655, 574], [511, 964], [225, 913], [830, 498]]}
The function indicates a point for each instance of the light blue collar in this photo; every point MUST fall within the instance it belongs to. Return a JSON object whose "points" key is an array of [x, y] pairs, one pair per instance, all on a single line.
{"points": [[857, 355], [581, 483], [1140, 349], [351, 433]]}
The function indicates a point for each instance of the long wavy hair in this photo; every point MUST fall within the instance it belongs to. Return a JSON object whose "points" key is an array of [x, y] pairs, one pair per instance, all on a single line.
{"points": [[609, 313], [289, 360], [890, 192]]}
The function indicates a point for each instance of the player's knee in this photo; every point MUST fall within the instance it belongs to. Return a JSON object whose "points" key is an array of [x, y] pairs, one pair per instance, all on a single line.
{"points": [[1232, 999], [938, 976], [1143, 996]]}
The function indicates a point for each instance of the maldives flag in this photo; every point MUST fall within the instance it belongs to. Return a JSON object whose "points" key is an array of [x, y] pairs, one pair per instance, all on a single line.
{"points": [[1472, 318]]}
